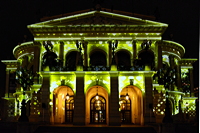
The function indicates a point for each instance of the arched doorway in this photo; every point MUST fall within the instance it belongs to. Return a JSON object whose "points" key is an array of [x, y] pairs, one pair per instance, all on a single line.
{"points": [[63, 104], [125, 109], [69, 109], [98, 110], [97, 107], [131, 105]]}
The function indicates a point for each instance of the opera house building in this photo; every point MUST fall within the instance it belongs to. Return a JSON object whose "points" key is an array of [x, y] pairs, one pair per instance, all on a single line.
{"points": [[99, 67]]}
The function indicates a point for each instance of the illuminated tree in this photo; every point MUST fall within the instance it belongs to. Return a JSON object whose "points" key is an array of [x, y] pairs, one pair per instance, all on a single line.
{"points": [[25, 79]]}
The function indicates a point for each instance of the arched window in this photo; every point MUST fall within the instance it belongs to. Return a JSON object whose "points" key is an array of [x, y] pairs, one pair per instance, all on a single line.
{"points": [[49, 59], [125, 108], [123, 60], [147, 58], [97, 59], [98, 109], [71, 61]]}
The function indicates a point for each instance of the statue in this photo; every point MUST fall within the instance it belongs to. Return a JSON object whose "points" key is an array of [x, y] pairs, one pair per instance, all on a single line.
{"points": [[146, 44], [49, 57]]}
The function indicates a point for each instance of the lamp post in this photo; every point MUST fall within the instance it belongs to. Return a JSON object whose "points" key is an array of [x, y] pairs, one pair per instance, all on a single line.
{"points": [[25, 78]]}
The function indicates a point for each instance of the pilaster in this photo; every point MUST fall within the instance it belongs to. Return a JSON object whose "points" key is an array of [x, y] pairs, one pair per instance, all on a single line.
{"points": [[148, 99], [134, 50], [171, 61], [36, 62], [114, 114], [61, 52], [159, 62], [79, 101], [85, 56], [45, 92], [178, 74]]}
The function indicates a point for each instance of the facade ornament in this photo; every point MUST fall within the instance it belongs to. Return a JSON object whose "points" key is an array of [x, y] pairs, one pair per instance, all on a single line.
{"points": [[113, 45], [49, 57], [80, 45], [48, 45], [146, 44]]}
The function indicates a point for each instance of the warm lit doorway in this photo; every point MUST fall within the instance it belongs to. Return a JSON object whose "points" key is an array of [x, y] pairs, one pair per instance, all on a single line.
{"points": [[98, 109], [125, 109], [63, 104], [69, 109], [131, 105]]}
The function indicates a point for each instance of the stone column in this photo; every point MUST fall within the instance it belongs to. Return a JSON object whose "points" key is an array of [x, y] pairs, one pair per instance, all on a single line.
{"points": [[171, 61], [85, 56], [114, 114], [110, 54], [36, 62], [191, 82], [178, 78], [134, 51], [148, 99], [159, 59], [45, 92], [61, 53], [79, 101]]}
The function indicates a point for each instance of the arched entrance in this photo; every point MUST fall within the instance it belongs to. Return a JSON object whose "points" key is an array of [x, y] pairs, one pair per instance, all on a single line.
{"points": [[131, 105], [98, 109], [69, 109], [63, 104], [97, 105], [125, 109]]}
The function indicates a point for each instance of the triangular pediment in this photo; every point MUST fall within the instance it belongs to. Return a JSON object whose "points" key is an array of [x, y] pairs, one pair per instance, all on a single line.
{"points": [[97, 18]]}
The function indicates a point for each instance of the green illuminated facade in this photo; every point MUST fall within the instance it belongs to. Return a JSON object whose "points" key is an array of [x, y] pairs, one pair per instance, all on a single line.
{"points": [[100, 67]]}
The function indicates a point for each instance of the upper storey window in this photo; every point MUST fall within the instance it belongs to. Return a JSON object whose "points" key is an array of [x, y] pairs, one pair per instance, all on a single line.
{"points": [[97, 59], [98, 62], [71, 61], [123, 60]]}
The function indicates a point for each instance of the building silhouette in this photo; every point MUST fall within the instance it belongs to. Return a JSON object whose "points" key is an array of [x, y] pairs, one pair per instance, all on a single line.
{"points": [[100, 67]]}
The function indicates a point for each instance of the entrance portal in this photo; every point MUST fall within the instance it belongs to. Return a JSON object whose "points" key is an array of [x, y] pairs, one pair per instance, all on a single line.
{"points": [[63, 104], [131, 105], [69, 110], [125, 107], [98, 109]]}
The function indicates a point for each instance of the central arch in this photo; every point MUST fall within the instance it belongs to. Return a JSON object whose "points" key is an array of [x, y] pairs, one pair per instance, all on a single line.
{"points": [[98, 107], [133, 112]]}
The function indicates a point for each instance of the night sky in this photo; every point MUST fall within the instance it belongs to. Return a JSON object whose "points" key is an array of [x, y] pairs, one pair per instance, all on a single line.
{"points": [[181, 15]]}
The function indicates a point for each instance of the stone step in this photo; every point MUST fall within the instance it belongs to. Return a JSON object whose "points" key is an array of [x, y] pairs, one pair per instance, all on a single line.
{"points": [[84, 129]]}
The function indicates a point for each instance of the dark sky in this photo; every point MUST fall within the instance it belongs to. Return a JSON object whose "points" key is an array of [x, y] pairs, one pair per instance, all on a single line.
{"points": [[181, 15]]}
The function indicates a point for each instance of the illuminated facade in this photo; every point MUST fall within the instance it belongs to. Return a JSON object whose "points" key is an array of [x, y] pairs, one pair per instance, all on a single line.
{"points": [[99, 67]]}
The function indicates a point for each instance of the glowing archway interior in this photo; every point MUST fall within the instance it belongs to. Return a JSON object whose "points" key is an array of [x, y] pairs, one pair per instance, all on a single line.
{"points": [[59, 96], [90, 94], [135, 95]]}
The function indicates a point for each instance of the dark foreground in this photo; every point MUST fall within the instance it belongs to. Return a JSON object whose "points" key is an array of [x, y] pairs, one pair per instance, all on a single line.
{"points": [[16, 127]]}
